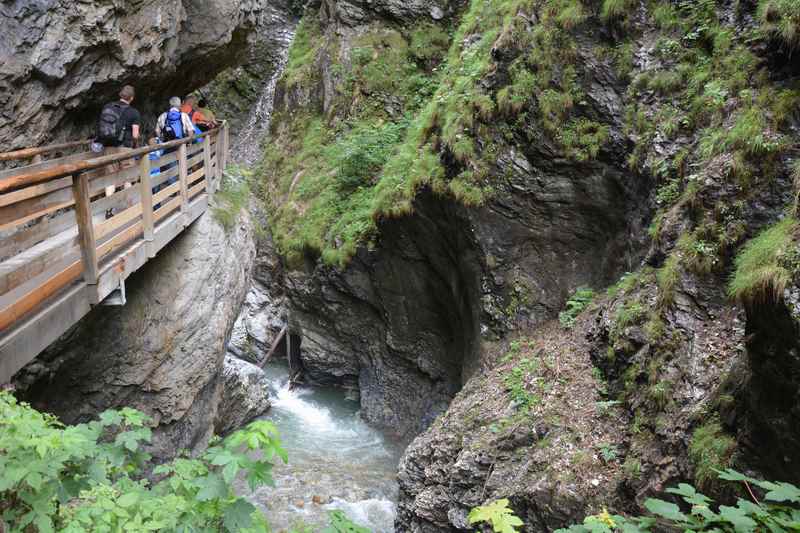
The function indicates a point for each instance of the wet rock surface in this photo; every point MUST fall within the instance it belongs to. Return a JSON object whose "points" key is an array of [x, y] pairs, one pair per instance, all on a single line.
{"points": [[244, 395], [163, 351]]}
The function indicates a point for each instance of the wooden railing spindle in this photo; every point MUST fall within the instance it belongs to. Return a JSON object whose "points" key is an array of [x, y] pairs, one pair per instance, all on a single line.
{"points": [[218, 154], [83, 215], [183, 173], [207, 164], [146, 195]]}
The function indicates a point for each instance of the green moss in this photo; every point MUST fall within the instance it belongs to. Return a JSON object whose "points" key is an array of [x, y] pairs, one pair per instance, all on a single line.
{"points": [[231, 198], [761, 272], [629, 314], [303, 51], [668, 277], [711, 449], [699, 251], [626, 283], [655, 328], [582, 138], [615, 9], [660, 394]]}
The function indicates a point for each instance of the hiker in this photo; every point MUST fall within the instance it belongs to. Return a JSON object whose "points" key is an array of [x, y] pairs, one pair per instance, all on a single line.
{"points": [[188, 105], [174, 124], [119, 123], [118, 130], [203, 117]]}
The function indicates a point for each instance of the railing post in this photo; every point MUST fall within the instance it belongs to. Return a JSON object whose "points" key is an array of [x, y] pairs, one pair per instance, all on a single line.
{"points": [[183, 171], [226, 144], [218, 153], [146, 194], [83, 215], [209, 177]]}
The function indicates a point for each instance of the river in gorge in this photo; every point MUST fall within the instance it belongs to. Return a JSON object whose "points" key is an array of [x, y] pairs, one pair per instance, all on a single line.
{"points": [[336, 460]]}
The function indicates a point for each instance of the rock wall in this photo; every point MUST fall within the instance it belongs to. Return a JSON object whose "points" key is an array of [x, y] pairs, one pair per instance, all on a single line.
{"points": [[163, 351], [664, 378], [64, 60], [409, 312]]}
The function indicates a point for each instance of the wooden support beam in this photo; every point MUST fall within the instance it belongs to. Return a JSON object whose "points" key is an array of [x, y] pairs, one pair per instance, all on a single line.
{"points": [[146, 195], [83, 215], [275, 343]]}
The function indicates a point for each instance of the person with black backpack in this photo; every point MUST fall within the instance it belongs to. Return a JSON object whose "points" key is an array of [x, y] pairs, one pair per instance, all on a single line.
{"points": [[119, 123]]}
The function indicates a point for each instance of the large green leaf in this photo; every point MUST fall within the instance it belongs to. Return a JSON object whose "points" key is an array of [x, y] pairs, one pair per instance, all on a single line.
{"points": [[738, 517], [238, 515], [211, 486], [667, 510], [498, 514]]}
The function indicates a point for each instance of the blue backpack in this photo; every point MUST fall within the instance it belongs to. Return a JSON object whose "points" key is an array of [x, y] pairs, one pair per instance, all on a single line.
{"points": [[173, 126]]}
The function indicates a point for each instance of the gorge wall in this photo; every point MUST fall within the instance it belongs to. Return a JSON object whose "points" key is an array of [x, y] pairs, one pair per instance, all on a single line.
{"points": [[440, 178], [403, 321]]}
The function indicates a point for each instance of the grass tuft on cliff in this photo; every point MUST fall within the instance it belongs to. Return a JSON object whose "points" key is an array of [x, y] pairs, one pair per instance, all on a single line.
{"points": [[764, 265]]}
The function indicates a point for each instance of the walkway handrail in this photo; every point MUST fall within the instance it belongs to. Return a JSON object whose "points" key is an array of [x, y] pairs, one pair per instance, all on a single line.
{"points": [[57, 171], [27, 153], [73, 229]]}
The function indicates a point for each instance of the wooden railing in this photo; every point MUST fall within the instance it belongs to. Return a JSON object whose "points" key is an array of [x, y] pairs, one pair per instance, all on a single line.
{"points": [[73, 228]]}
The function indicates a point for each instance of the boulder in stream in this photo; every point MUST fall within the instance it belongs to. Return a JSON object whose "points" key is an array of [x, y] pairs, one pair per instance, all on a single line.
{"points": [[244, 395]]}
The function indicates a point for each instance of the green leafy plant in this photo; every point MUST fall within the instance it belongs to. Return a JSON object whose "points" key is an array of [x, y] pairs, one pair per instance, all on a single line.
{"points": [[780, 511], [497, 514], [516, 381], [608, 452], [90, 477], [579, 300], [339, 523]]}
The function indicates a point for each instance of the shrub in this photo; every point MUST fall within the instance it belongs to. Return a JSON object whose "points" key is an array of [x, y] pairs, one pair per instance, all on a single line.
{"points": [[778, 510], [90, 477], [360, 154], [760, 272], [579, 300]]}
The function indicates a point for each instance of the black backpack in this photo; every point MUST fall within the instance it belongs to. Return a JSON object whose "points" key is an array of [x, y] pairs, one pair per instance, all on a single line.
{"points": [[110, 128]]}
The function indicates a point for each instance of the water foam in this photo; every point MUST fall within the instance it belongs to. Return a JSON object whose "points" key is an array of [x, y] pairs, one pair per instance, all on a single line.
{"points": [[375, 514]]}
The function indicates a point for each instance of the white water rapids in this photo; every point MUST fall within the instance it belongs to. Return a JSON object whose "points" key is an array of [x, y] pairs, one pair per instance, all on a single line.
{"points": [[336, 461]]}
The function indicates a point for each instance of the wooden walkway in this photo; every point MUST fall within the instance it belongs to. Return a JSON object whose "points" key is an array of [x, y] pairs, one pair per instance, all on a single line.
{"points": [[75, 226]]}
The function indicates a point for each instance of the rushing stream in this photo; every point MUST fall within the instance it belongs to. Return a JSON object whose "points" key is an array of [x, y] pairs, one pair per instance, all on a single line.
{"points": [[336, 461]]}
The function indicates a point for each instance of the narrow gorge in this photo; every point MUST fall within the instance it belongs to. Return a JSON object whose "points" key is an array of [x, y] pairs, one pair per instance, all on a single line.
{"points": [[478, 265]]}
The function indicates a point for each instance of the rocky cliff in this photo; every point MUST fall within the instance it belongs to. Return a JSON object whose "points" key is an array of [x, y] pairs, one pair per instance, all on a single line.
{"points": [[63, 60], [442, 177], [163, 351]]}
